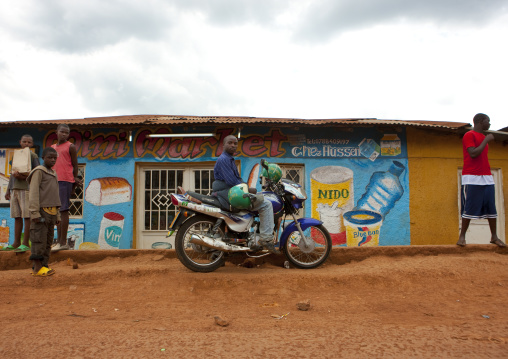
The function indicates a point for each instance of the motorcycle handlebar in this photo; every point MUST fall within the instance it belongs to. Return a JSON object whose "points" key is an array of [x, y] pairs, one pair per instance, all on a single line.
{"points": [[264, 164]]}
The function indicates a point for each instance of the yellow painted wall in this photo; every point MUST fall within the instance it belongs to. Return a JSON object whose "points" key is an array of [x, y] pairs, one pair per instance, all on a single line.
{"points": [[433, 161]]}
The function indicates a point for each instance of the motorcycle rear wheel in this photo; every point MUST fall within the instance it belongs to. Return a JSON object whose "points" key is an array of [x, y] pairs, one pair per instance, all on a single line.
{"points": [[195, 257], [305, 259]]}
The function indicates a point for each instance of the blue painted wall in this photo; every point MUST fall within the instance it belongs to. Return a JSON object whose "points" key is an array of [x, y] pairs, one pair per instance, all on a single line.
{"points": [[362, 151]]}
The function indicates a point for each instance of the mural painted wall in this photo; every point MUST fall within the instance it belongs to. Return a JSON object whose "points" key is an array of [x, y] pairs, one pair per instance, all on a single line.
{"points": [[75, 235], [4, 233], [356, 179]]}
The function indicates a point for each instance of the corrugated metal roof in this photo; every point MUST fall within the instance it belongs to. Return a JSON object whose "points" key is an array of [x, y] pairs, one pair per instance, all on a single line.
{"points": [[226, 120]]}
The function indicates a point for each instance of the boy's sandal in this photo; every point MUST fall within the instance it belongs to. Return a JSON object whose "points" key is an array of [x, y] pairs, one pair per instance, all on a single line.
{"points": [[44, 272], [8, 248], [50, 271], [22, 248], [498, 243]]}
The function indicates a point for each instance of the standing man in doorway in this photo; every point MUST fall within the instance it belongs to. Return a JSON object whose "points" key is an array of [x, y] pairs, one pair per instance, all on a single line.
{"points": [[66, 168], [478, 199]]}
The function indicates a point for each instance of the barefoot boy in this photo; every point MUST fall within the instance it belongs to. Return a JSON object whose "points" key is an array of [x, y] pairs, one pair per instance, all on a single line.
{"points": [[43, 205], [17, 194]]}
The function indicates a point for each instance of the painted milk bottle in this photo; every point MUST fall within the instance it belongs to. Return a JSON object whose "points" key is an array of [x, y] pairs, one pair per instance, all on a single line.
{"points": [[111, 230], [332, 195], [383, 190]]}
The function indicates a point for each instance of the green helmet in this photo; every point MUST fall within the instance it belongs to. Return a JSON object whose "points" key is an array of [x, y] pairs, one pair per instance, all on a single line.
{"points": [[274, 172], [235, 196]]}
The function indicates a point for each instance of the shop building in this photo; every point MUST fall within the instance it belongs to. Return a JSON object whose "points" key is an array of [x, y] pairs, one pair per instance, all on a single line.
{"points": [[408, 172]]}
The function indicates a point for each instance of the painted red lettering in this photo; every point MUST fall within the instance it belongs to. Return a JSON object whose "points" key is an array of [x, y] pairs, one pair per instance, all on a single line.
{"points": [[253, 146], [85, 147], [275, 143], [110, 146], [198, 151], [122, 148]]}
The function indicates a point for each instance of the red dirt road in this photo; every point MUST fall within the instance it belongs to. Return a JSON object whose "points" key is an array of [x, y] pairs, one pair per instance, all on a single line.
{"points": [[396, 302]]}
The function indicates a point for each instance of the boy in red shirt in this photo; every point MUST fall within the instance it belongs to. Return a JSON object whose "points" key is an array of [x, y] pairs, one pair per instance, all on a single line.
{"points": [[477, 192], [66, 168]]}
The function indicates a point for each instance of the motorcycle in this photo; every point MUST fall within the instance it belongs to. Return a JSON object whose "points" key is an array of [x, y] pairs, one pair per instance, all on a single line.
{"points": [[207, 232]]}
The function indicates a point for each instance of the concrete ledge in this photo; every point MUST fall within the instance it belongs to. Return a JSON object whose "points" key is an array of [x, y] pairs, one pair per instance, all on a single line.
{"points": [[339, 255]]}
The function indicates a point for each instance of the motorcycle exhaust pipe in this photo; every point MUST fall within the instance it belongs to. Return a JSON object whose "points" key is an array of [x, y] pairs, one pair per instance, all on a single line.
{"points": [[216, 244]]}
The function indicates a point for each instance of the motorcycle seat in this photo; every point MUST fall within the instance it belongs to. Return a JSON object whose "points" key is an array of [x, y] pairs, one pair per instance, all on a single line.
{"points": [[214, 201], [211, 200]]}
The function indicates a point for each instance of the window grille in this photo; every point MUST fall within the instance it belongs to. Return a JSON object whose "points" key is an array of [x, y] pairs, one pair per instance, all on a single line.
{"points": [[77, 198], [203, 179], [159, 184], [295, 173]]}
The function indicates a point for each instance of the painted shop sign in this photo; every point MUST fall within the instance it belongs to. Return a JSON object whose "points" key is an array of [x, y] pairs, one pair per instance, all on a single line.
{"points": [[95, 146], [360, 143], [268, 145]]}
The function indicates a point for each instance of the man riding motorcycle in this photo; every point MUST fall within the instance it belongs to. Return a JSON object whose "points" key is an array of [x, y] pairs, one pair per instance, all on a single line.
{"points": [[227, 178]]}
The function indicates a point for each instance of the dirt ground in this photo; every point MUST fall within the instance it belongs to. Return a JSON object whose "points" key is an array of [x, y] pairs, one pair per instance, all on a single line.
{"points": [[396, 302]]}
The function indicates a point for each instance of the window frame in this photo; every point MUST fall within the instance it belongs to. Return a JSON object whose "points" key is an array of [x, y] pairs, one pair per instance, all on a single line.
{"points": [[188, 183], [285, 167], [80, 197]]}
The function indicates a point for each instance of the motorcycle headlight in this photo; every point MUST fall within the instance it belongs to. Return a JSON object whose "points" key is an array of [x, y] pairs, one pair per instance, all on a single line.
{"points": [[302, 191]]}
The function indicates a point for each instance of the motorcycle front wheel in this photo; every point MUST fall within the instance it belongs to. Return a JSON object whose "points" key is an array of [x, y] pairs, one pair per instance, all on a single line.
{"points": [[196, 257], [315, 255]]}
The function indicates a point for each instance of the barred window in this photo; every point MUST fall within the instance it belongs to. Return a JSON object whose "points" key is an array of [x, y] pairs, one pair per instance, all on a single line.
{"points": [[203, 179], [159, 183], [77, 198], [158, 209], [295, 173]]}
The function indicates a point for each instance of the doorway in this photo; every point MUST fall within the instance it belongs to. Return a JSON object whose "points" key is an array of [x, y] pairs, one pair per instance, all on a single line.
{"points": [[479, 231], [154, 211]]}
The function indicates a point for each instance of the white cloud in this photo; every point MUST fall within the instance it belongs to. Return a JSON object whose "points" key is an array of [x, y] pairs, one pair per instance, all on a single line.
{"points": [[83, 59], [84, 26], [325, 18]]}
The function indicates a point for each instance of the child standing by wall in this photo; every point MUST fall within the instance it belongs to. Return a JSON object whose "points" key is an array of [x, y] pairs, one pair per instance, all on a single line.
{"points": [[66, 168], [17, 194], [43, 205]]}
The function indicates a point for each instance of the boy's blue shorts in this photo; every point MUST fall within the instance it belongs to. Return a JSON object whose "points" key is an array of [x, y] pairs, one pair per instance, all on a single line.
{"points": [[478, 202], [65, 189]]}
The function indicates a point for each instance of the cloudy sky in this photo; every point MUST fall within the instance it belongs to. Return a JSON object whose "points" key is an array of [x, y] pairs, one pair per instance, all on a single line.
{"points": [[442, 60]]}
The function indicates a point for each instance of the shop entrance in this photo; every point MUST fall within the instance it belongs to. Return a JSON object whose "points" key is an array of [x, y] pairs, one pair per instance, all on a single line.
{"points": [[478, 231], [154, 210]]}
